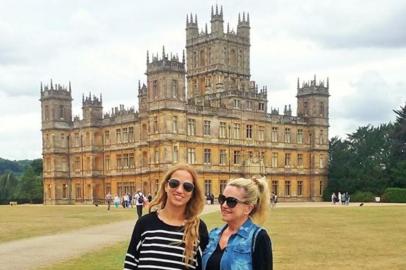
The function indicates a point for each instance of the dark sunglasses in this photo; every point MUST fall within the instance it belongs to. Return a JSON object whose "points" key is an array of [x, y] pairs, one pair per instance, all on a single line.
{"points": [[230, 201], [187, 186]]}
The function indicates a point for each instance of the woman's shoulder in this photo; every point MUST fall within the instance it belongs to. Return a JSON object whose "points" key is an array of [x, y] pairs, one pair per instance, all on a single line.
{"points": [[148, 219]]}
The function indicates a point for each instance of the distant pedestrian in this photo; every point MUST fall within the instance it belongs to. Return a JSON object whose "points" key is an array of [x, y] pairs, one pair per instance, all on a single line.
{"points": [[212, 198], [139, 202], [149, 197], [347, 198], [109, 199], [273, 199], [339, 197], [116, 201], [333, 198]]}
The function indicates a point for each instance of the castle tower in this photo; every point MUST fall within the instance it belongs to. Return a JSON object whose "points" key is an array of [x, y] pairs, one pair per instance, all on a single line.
{"points": [[218, 61], [56, 106], [312, 101], [92, 109], [165, 81], [56, 110]]}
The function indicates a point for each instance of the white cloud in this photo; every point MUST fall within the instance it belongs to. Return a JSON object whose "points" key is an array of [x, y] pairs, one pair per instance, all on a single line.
{"points": [[101, 47]]}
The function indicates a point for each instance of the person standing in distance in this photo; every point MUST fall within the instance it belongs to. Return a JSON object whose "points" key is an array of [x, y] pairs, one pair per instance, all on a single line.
{"points": [[241, 243], [139, 202], [171, 235]]}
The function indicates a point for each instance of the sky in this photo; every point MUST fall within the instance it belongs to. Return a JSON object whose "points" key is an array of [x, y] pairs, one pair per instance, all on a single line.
{"points": [[100, 47]]}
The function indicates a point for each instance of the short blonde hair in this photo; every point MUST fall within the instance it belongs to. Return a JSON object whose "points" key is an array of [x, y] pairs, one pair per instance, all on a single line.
{"points": [[256, 193]]}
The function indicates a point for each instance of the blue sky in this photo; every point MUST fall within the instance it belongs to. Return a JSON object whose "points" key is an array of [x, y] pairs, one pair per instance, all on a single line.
{"points": [[100, 46]]}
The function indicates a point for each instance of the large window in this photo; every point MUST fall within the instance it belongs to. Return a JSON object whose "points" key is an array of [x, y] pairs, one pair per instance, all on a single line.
{"points": [[223, 130], [299, 188], [207, 186], [299, 138], [287, 135], [191, 155], [287, 188], [237, 157], [174, 88], [175, 124], [206, 128], [207, 156], [131, 134], [107, 162], [275, 187], [223, 157], [274, 160], [300, 160], [261, 133], [125, 135], [274, 135], [223, 184], [249, 131], [131, 161], [118, 135], [287, 159], [191, 127], [236, 131]]}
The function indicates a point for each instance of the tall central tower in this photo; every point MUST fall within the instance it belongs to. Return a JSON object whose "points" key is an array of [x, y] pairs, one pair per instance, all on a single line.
{"points": [[217, 61]]}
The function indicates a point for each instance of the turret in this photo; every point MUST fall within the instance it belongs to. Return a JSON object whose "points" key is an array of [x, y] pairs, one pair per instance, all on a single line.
{"points": [[217, 22], [56, 106], [312, 100], [165, 78], [92, 109], [192, 30], [243, 26]]}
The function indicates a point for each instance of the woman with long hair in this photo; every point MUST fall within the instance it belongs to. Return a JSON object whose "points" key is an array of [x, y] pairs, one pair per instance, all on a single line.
{"points": [[241, 243], [171, 236]]}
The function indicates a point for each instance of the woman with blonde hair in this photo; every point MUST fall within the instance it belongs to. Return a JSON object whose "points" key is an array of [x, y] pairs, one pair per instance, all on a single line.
{"points": [[171, 235], [241, 244]]}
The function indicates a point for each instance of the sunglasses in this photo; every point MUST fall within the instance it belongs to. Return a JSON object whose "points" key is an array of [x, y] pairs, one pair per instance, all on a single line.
{"points": [[230, 201], [187, 186]]}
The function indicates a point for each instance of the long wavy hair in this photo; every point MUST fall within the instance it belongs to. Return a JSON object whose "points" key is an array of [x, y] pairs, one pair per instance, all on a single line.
{"points": [[256, 193], [192, 211]]}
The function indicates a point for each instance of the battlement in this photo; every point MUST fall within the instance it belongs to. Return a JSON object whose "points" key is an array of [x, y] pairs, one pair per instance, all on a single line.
{"points": [[119, 111], [56, 91], [91, 101], [217, 28], [142, 90], [165, 63], [313, 87]]}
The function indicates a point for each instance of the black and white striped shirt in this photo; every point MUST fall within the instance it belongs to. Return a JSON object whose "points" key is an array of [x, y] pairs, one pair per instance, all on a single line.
{"points": [[157, 245]]}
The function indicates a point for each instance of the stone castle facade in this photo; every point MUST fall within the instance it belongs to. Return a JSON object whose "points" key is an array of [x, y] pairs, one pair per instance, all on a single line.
{"points": [[203, 110]]}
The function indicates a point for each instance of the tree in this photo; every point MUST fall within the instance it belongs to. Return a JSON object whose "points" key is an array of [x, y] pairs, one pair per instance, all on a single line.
{"points": [[8, 187], [30, 186]]}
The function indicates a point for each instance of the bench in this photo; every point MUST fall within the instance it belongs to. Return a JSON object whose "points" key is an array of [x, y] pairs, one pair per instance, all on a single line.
{"points": [[12, 203]]}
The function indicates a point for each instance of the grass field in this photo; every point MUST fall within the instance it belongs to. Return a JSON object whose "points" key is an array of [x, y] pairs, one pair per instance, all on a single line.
{"points": [[25, 221], [308, 238]]}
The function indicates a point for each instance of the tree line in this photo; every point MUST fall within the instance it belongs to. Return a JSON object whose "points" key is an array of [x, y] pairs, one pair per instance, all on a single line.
{"points": [[21, 181], [369, 160]]}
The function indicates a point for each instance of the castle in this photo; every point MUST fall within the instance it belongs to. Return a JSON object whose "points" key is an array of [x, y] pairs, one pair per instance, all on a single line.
{"points": [[203, 110]]}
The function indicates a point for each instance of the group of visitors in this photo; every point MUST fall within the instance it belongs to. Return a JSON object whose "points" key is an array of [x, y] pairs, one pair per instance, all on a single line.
{"points": [[172, 236], [127, 200], [340, 198]]}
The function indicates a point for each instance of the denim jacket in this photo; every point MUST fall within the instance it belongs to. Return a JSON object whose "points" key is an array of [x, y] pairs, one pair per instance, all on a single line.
{"points": [[238, 253]]}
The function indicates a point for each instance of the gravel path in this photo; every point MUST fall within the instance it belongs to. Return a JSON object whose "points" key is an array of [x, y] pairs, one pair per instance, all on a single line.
{"points": [[41, 251]]}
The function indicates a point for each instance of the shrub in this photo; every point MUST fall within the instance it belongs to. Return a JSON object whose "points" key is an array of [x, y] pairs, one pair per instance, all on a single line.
{"points": [[361, 196], [394, 195]]}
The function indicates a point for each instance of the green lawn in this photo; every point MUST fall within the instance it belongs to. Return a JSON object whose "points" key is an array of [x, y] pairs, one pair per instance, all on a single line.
{"points": [[24, 221], [308, 238]]}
